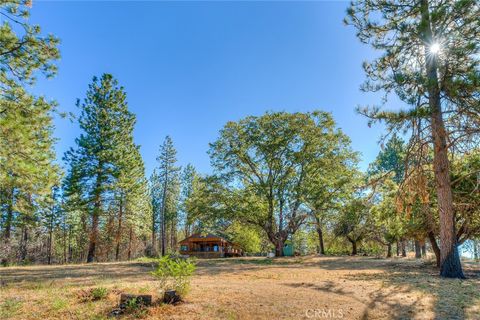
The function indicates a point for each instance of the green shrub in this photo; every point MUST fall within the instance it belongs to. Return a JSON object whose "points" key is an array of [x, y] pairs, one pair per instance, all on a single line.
{"points": [[99, 293], [59, 304], [10, 307], [174, 274]]}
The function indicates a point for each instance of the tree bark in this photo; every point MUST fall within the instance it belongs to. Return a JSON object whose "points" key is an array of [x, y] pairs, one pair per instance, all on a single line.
{"points": [[119, 231], [449, 258], [389, 250], [354, 245], [154, 230], [279, 248], [418, 252], [164, 209], [23, 245], [9, 218], [404, 250], [130, 237], [435, 248], [475, 250], [320, 240], [93, 238], [398, 248], [95, 215]]}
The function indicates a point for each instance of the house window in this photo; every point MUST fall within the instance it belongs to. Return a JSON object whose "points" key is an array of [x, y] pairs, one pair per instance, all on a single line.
{"points": [[183, 248]]}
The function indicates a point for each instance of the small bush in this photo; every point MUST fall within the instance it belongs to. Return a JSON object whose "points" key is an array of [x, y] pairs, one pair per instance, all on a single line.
{"points": [[99, 293], [10, 307], [59, 304], [174, 274]]}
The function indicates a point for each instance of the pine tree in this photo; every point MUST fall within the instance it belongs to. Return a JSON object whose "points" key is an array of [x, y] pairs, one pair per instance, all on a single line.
{"points": [[27, 169], [430, 59], [168, 177], [100, 157], [189, 174]]}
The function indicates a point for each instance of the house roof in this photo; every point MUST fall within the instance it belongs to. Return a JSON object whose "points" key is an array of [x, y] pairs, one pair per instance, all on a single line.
{"points": [[203, 237]]}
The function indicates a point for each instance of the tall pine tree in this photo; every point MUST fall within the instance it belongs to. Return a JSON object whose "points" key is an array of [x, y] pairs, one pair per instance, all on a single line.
{"points": [[430, 60], [27, 169], [105, 167]]}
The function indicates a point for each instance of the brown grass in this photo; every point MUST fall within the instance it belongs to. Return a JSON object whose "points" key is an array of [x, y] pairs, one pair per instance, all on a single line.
{"points": [[250, 288]]}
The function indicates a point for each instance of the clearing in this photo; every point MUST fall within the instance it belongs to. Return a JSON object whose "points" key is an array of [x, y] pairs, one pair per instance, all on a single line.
{"points": [[250, 288]]}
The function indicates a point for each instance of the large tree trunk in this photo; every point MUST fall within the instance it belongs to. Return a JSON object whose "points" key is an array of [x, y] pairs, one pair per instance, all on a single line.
{"points": [[50, 244], [389, 250], [320, 240], [130, 237], [398, 248], [354, 245], [154, 230], [450, 265], [164, 210], [279, 248], [404, 250], [119, 231], [475, 250], [435, 248], [354, 248], [23, 244], [95, 216], [9, 217], [93, 238], [418, 252]]}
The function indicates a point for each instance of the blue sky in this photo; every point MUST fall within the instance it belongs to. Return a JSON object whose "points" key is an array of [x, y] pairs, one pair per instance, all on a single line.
{"points": [[189, 67]]}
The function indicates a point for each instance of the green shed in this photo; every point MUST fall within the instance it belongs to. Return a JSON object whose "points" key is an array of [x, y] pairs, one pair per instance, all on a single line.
{"points": [[288, 250]]}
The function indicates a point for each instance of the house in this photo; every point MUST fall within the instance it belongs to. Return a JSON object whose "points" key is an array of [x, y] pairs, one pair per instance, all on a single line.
{"points": [[208, 246]]}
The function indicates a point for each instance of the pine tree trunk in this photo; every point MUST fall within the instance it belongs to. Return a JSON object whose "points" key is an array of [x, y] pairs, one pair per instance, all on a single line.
{"points": [[50, 244], [163, 222], [9, 218], [93, 238], [449, 257], [389, 250], [119, 231], [64, 244], [95, 216], [475, 250], [398, 248], [154, 238], [435, 248], [424, 248], [129, 253], [23, 245], [403, 247]]}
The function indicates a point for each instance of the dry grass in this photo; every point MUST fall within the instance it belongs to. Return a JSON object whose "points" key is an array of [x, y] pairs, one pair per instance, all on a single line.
{"points": [[250, 288]]}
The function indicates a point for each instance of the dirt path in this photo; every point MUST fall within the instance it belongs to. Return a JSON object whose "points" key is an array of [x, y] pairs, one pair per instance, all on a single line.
{"points": [[251, 288]]}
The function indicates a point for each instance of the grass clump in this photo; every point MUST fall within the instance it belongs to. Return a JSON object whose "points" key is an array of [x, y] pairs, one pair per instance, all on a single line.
{"points": [[99, 293], [175, 274], [10, 307], [59, 304]]}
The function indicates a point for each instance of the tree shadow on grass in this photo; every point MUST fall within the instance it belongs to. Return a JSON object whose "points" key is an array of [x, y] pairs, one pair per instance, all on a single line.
{"points": [[81, 274], [451, 297], [403, 286]]}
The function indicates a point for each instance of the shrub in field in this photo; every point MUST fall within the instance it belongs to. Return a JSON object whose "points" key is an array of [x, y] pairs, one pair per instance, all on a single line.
{"points": [[174, 274], [99, 293]]}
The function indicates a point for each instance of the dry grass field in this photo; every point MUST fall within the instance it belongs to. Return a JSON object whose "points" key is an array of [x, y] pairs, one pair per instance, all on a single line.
{"points": [[249, 288]]}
